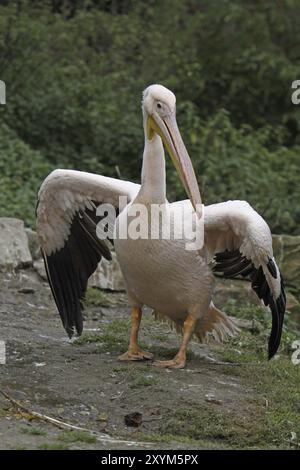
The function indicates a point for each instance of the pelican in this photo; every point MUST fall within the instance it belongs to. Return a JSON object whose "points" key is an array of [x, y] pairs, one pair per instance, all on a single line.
{"points": [[161, 273]]}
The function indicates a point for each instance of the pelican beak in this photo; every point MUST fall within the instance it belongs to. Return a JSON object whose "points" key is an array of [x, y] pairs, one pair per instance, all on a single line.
{"points": [[166, 127]]}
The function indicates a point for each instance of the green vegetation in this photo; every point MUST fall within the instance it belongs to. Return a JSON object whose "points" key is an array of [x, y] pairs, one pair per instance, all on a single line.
{"points": [[34, 431], [21, 172], [4, 412], [96, 298], [265, 417], [77, 436], [74, 72], [55, 446], [259, 410], [144, 381], [270, 416], [114, 336], [274, 412]]}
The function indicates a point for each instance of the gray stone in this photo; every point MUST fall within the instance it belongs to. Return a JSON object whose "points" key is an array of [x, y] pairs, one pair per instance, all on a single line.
{"points": [[238, 290], [39, 266], [287, 254], [33, 244], [108, 275], [14, 249]]}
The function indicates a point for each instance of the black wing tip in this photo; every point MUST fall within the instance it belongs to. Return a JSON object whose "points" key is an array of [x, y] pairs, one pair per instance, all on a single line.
{"points": [[233, 263], [69, 268], [274, 346], [272, 268], [71, 330], [272, 351], [278, 310]]}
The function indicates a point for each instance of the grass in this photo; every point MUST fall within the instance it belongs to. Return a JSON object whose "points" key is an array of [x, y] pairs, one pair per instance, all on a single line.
{"points": [[114, 334], [34, 431], [271, 416], [4, 412], [144, 381], [96, 298], [265, 415], [120, 369], [265, 419], [113, 338], [54, 446], [69, 437], [77, 436], [172, 438]]}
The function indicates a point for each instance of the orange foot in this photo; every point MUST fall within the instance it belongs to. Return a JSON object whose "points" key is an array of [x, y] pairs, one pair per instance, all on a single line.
{"points": [[176, 363], [136, 354]]}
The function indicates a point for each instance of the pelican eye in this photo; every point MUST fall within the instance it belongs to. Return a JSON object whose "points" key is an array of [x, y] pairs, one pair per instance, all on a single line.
{"points": [[159, 105]]}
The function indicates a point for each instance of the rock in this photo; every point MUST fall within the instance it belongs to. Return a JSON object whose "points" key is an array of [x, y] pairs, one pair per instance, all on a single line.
{"points": [[27, 290], [238, 290], [210, 397], [292, 304], [133, 419], [108, 275], [287, 254], [14, 249], [254, 326], [33, 244], [40, 268]]}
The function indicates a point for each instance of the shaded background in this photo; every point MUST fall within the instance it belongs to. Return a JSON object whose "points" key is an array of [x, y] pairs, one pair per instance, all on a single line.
{"points": [[75, 71]]}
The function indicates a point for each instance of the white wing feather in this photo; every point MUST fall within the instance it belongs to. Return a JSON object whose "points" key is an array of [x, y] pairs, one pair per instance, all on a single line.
{"points": [[65, 192]]}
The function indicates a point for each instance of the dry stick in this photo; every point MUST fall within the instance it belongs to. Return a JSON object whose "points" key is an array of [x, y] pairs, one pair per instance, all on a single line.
{"points": [[62, 425]]}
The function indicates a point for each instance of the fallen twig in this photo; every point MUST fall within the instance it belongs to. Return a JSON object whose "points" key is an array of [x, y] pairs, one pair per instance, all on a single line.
{"points": [[62, 425]]}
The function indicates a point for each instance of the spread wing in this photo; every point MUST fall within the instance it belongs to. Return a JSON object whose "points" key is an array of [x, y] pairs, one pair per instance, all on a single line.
{"points": [[67, 231], [239, 242]]}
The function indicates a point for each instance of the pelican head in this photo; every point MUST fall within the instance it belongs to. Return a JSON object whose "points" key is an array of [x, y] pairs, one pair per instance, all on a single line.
{"points": [[159, 111]]}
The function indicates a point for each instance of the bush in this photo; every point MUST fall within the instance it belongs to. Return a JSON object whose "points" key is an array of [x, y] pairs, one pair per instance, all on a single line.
{"points": [[75, 71], [21, 172]]}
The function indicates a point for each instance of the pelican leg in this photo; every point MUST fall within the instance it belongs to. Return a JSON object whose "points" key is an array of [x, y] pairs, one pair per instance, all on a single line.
{"points": [[180, 359], [135, 353]]}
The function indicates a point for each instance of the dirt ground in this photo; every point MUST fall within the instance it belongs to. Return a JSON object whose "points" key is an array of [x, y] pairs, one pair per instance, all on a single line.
{"points": [[82, 383]]}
